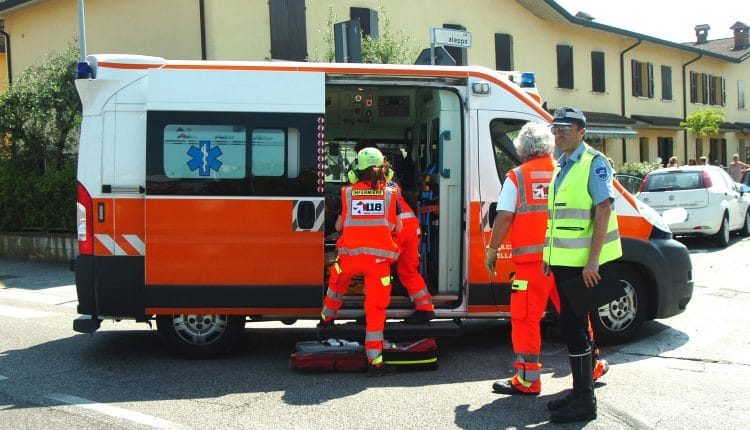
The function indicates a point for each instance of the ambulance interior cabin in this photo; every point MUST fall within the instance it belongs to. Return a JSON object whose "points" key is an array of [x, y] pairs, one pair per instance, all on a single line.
{"points": [[410, 125]]}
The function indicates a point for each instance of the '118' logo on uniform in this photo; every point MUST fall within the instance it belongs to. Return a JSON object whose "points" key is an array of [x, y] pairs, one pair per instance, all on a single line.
{"points": [[368, 207]]}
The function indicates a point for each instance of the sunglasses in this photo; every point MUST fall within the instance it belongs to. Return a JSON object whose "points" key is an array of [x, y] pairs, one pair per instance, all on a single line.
{"points": [[561, 130]]}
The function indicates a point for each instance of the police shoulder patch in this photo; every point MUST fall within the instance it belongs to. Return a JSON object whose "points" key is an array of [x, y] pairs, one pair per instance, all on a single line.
{"points": [[602, 173]]}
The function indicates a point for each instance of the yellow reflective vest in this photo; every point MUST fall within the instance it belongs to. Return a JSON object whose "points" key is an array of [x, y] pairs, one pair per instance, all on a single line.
{"points": [[570, 224]]}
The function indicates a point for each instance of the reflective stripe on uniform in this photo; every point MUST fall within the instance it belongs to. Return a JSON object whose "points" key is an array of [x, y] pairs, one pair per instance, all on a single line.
{"points": [[528, 249], [369, 251], [520, 285], [568, 213], [585, 242]]}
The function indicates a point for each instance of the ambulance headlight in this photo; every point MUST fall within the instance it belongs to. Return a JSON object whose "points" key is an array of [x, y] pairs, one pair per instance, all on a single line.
{"points": [[480, 88]]}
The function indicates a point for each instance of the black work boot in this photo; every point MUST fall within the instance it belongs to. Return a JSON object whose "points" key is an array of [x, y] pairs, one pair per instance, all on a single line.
{"points": [[556, 404], [419, 317], [582, 404]]}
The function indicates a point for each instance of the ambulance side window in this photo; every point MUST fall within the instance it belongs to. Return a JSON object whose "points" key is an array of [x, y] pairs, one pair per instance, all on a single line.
{"points": [[268, 152], [196, 151], [231, 153], [503, 131]]}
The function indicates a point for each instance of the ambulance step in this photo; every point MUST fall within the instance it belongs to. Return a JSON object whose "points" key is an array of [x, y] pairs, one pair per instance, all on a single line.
{"points": [[393, 330]]}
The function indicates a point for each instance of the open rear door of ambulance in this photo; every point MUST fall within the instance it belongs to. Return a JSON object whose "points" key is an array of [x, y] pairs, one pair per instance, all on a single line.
{"points": [[234, 204]]}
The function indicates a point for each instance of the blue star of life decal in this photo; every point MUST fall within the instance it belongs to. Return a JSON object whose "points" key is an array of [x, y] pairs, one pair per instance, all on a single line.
{"points": [[204, 157]]}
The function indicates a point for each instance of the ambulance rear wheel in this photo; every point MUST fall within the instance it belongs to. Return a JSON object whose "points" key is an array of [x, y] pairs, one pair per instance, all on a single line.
{"points": [[201, 336], [618, 320]]}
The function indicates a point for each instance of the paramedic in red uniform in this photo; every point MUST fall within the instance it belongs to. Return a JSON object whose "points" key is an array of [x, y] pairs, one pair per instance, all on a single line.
{"points": [[366, 246], [407, 265], [522, 209]]}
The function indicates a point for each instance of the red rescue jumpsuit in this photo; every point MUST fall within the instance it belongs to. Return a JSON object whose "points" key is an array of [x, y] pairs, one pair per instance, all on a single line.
{"points": [[407, 265], [365, 247], [531, 289]]}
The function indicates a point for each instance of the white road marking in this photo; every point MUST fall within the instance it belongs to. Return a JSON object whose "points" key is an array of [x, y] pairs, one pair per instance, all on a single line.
{"points": [[14, 312], [114, 411], [31, 296], [3, 377]]}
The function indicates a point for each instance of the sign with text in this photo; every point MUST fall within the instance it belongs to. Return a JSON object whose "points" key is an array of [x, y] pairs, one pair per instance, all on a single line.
{"points": [[448, 37]]}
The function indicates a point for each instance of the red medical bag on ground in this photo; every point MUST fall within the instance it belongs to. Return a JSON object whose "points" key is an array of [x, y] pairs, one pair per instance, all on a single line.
{"points": [[337, 355], [332, 355]]}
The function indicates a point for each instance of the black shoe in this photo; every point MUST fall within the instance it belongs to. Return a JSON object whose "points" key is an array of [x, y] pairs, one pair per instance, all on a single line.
{"points": [[506, 386], [326, 324], [419, 317], [556, 404], [383, 370], [581, 407]]}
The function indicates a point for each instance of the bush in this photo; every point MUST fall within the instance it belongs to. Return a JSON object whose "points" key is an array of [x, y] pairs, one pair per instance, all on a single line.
{"points": [[639, 169], [40, 116], [31, 202]]}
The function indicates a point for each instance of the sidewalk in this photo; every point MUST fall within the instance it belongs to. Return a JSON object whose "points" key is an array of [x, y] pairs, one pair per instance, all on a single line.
{"points": [[34, 275]]}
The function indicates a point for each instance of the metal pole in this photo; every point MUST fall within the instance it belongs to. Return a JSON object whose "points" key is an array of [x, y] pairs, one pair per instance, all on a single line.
{"points": [[81, 31], [432, 46]]}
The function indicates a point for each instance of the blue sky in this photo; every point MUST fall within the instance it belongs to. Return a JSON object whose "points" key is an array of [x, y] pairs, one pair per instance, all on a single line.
{"points": [[672, 20]]}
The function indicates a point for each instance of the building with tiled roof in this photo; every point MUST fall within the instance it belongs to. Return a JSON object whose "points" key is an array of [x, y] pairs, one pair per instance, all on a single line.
{"points": [[635, 88]]}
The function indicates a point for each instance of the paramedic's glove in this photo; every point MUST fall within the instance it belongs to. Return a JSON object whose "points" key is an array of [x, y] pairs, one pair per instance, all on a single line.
{"points": [[490, 258]]}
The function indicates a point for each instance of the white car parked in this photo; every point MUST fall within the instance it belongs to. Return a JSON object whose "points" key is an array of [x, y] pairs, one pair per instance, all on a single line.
{"points": [[715, 204]]}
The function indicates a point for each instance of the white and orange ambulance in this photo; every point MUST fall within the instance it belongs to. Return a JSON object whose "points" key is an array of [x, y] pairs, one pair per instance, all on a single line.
{"points": [[207, 193]]}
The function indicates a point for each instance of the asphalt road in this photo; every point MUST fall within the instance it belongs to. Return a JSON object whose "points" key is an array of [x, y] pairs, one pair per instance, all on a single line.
{"points": [[691, 371]]}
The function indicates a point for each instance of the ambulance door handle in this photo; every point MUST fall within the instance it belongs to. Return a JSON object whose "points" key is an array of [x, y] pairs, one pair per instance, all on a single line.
{"points": [[100, 212], [305, 215], [445, 135]]}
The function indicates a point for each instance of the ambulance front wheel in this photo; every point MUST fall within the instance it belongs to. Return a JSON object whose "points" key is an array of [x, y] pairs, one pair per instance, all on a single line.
{"points": [[617, 321], [201, 336]]}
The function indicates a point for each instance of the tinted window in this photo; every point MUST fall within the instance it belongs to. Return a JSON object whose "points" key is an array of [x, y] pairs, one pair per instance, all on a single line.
{"points": [[503, 131], [674, 181], [232, 153]]}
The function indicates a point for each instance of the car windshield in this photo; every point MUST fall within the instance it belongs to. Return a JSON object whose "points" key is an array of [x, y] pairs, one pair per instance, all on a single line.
{"points": [[671, 181]]}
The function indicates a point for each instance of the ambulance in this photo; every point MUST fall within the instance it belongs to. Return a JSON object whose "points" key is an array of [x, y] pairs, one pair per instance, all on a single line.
{"points": [[208, 192]]}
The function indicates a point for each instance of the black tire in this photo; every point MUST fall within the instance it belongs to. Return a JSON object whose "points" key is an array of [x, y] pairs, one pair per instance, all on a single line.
{"points": [[617, 321], [745, 231], [201, 336], [721, 238]]}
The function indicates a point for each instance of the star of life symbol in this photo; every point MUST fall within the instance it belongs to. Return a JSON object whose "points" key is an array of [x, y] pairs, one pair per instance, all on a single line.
{"points": [[540, 190], [204, 158]]}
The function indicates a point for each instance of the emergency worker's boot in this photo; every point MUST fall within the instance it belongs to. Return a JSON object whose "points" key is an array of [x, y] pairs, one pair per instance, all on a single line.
{"points": [[526, 380], [601, 367], [326, 323], [381, 370], [515, 385], [419, 317], [582, 404]]}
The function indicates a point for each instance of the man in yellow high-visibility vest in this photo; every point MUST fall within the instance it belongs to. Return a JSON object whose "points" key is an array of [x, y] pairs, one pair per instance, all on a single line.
{"points": [[582, 235]]}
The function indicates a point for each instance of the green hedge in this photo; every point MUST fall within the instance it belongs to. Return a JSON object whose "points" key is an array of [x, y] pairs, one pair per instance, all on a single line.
{"points": [[639, 169], [30, 202]]}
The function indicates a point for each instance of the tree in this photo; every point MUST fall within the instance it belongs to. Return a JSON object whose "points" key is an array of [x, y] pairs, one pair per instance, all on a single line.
{"points": [[704, 122], [389, 48], [40, 113]]}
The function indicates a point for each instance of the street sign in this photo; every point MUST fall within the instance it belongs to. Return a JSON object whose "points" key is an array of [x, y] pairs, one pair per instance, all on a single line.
{"points": [[448, 37]]}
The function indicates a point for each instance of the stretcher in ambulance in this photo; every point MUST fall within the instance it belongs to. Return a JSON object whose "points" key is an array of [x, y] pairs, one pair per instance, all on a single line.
{"points": [[207, 193]]}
